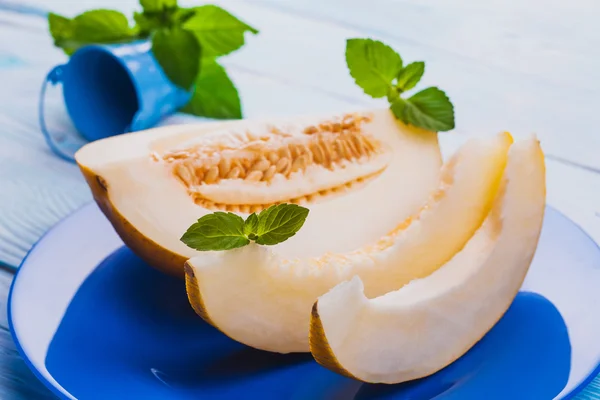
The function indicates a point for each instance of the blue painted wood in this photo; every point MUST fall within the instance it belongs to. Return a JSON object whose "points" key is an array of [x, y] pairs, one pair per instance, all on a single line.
{"points": [[511, 65]]}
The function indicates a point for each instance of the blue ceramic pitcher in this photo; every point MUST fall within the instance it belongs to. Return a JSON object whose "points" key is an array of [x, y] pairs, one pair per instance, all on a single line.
{"points": [[109, 90]]}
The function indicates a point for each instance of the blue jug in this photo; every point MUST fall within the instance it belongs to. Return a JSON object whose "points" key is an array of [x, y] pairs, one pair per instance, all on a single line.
{"points": [[110, 90]]}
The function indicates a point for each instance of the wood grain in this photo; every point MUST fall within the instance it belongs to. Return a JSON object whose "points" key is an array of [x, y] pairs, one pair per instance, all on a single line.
{"points": [[508, 65]]}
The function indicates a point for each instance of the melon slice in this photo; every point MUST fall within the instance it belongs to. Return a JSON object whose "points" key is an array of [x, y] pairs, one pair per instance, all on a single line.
{"points": [[261, 297], [424, 326], [153, 185]]}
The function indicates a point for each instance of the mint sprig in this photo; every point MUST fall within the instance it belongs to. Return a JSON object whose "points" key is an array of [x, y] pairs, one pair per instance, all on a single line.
{"points": [[218, 31], [373, 65], [178, 52], [157, 5], [226, 231], [218, 96], [429, 108], [186, 43], [94, 26], [379, 71]]}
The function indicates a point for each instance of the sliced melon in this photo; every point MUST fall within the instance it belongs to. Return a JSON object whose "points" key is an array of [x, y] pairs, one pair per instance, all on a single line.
{"points": [[153, 185], [259, 296], [424, 326]]}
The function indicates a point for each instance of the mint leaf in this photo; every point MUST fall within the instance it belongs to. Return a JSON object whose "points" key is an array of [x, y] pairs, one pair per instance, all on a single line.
{"points": [[151, 6], [216, 231], [102, 26], [157, 14], [251, 225], [62, 30], [178, 53], [95, 26], [429, 109], [181, 15], [278, 223], [218, 31], [146, 23], [215, 95], [225, 231], [373, 65], [410, 75]]}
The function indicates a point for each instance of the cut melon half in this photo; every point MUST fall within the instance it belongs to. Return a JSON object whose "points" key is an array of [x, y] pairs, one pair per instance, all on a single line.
{"points": [[152, 185], [259, 296], [424, 326]]}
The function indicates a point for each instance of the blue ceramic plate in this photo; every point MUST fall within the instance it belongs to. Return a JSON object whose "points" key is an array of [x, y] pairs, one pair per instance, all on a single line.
{"points": [[94, 322]]}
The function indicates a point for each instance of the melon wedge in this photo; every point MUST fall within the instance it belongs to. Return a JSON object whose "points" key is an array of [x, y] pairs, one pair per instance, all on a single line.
{"points": [[152, 185], [424, 326], [262, 298]]}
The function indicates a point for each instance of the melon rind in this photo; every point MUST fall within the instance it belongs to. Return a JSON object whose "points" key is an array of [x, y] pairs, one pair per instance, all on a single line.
{"points": [[424, 326]]}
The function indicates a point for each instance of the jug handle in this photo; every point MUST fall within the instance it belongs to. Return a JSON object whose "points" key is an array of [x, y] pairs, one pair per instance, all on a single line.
{"points": [[64, 145]]}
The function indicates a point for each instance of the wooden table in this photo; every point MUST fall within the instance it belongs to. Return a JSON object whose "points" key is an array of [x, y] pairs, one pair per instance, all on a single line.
{"points": [[522, 66]]}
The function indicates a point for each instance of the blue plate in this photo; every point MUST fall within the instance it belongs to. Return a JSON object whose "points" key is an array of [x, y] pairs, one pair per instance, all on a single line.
{"points": [[94, 322]]}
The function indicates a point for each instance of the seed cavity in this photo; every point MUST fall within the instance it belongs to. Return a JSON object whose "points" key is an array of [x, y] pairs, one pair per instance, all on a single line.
{"points": [[282, 164], [269, 173], [254, 176], [310, 198], [234, 173], [211, 175], [260, 165], [224, 167], [258, 157], [321, 150], [273, 157], [299, 163]]}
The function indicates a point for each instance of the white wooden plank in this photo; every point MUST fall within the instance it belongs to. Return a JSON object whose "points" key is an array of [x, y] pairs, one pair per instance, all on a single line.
{"points": [[541, 39], [506, 65], [38, 189], [576, 193], [504, 69], [16, 380]]}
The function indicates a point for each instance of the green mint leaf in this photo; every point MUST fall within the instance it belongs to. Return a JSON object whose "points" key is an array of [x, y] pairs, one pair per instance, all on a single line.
{"points": [[102, 26], [410, 75], [226, 231], [157, 14], [215, 95], [216, 231], [251, 225], [429, 109], [393, 94], [95, 26], [150, 6], [373, 65], [62, 30], [181, 15], [178, 53], [217, 30], [146, 23], [279, 223]]}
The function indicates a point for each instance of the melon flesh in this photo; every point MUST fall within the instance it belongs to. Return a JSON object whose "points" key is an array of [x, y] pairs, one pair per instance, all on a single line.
{"points": [[424, 326], [261, 297], [153, 185]]}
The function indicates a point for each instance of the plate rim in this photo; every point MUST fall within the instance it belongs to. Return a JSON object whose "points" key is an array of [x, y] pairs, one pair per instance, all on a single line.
{"points": [[57, 392]]}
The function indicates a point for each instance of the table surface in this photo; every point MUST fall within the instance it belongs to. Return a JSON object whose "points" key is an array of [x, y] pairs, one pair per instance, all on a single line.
{"points": [[521, 66]]}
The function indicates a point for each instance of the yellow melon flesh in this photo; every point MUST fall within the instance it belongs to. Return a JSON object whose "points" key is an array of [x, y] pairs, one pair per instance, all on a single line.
{"points": [[424, 326], [153, 185], [259, 296]]}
